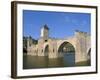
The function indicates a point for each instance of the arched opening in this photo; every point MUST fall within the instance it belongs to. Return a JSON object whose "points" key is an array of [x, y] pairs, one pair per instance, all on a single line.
{"points": [[68, 51], [46, 50], [89, 53], [89, 56]]}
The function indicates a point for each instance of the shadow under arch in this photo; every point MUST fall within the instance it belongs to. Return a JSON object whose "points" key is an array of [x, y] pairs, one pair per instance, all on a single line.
{"points": [[89, 52], [89, 56], [46, 50], [67, 50], [66, 47]]}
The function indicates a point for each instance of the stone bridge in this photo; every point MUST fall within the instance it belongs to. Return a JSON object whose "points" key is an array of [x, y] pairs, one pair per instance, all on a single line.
{"points": [[79, 43]]}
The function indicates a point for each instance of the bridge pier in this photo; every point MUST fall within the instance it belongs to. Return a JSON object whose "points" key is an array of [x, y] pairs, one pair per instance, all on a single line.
{"points": [[55, 55], [80, 58]]}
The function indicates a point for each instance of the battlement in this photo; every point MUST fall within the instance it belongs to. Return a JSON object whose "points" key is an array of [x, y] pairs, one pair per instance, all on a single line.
{"points": [[77, 32]]}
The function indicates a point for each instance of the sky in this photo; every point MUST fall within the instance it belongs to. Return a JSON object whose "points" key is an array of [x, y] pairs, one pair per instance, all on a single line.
{"points": [[61, 24]]}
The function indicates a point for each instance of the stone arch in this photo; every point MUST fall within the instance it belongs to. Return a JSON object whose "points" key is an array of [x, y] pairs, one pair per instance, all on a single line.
{"points": [[46, 50], [66, 47], [89, 54], [69, 40], [67, 50]]}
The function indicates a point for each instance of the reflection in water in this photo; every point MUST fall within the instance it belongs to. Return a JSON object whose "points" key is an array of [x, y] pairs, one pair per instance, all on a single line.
{"points": [[69, 59], [40, 62], [30, 62]]}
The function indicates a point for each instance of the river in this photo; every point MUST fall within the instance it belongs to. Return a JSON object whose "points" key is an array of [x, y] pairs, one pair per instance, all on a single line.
{"points": [[31, 62]]}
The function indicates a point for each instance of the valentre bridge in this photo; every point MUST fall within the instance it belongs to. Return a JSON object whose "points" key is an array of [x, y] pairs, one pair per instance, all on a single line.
{"points": [[79, 44]]}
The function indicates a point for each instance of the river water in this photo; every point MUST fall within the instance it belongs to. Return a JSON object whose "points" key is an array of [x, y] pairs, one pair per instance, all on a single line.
{"points": [[31, 62]]}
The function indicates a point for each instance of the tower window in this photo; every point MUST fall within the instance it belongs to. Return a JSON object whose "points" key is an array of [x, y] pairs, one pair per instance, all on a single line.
{"points": [[53, 50], [42, 50], [46, 40]]}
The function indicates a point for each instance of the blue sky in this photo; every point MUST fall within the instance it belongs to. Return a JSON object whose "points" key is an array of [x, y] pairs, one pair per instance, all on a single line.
{"points": [[61, 24]]}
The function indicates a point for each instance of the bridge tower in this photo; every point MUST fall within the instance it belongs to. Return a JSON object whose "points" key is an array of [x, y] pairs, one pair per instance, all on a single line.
{"points": [[45, 32], [44, 36]]}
